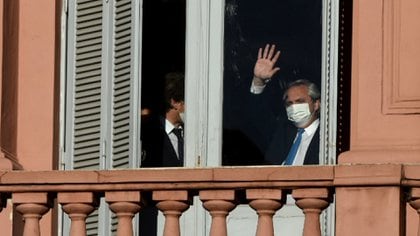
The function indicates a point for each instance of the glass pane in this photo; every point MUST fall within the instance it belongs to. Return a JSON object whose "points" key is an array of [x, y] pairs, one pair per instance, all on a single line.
{"points": [[251, 121]]}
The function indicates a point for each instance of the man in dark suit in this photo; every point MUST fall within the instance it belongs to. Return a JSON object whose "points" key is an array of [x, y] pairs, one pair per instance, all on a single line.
{"points": [[162, 136], [296, 140], [302, 101], [162, 140]]}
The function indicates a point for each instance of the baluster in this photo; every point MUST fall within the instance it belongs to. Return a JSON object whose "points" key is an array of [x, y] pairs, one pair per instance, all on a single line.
{"points": [[3, 201], [77, 205], [312, 201], [172, 204], [219, 203], [125, 204], [32, 206], [414, 200], [265, 202]]}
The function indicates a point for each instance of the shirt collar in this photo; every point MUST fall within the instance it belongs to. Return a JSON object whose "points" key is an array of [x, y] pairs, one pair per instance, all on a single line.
{"points": [[312, 127], [168, 126]]}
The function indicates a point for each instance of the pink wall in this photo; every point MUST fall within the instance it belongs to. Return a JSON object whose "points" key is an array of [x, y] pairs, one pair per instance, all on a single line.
{"points": [[9, 80], [29, 111], [385, 108], [385, 86], [385, 112], [35, 102], [5, 220]]}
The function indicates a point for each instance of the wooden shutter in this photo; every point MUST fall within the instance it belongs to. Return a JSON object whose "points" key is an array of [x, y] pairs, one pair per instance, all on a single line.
{"points": [[102, 92], [84, 85], [125, 104]]}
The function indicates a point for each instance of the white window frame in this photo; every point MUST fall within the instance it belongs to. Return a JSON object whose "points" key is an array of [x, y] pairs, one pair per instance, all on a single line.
{"points": [[204, 81], [204, 90]]}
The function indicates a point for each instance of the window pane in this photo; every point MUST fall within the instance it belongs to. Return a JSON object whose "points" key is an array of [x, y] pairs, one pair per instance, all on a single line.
{"points": [[295, 27]]}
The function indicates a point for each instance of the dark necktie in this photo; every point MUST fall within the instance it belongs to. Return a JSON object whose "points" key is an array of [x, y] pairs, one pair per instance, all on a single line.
{"points": [[178, 134], [293, 150]]}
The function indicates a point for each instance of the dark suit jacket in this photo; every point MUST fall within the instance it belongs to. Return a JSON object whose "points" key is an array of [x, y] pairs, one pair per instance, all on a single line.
{"points": [[283, 139], [156, 147]]}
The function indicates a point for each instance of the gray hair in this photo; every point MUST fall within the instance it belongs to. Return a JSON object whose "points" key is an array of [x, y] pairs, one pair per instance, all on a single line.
{"points": [[313, 90]]}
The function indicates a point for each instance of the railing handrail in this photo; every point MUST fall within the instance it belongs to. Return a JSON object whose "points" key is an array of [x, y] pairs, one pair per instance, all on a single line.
{"points": [[262, 187], [168, 178]]}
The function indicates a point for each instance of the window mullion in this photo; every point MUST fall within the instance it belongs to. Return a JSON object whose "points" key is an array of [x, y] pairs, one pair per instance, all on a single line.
{"points": [[215, 83], [196, 82], [107, 77]]}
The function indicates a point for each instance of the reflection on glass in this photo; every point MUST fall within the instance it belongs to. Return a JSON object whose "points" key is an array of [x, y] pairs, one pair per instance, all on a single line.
{"points": [[260, 122]]}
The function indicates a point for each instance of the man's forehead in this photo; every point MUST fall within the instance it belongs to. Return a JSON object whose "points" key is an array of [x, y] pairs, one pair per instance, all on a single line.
{"points": [[297, 91]]}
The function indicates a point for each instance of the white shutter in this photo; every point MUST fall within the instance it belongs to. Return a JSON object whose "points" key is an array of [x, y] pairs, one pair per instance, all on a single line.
{"points": [[102, 92], [84, 85], [125, 105]]}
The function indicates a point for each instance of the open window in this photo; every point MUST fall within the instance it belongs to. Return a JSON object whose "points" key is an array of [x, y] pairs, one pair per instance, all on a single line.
{"points": [[296, 28], [217, 55], [118, 52]]}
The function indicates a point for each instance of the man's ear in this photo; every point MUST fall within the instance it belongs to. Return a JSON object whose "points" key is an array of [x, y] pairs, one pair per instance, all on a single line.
{"points": [[317, 105], [175, 105]]}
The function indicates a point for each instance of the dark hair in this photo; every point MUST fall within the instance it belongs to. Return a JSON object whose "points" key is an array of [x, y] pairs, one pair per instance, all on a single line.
{"points": [[174, 88], [313, 90]]}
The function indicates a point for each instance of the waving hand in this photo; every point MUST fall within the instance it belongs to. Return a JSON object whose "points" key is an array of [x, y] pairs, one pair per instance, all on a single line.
{"points": [[264, 67]]}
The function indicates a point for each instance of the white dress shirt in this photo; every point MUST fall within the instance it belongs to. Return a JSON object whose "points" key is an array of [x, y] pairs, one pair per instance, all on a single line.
{"points": [[304, 144], [172, 137], [257, 89]]}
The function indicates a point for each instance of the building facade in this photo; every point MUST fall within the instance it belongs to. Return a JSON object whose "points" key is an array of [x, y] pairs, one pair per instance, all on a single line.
{"points": [[373, 182]]}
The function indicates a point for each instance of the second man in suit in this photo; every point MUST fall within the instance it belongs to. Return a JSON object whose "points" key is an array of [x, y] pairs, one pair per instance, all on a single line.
{"points": [[162, 136]]}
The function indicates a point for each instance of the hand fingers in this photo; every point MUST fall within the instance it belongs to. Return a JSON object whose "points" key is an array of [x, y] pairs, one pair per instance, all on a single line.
{"points": [[266, 49], [272, 72], [271, 52], [259, 53], [276, 57]]}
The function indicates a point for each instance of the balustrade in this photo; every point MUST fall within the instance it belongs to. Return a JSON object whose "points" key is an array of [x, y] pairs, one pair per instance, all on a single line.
{"points": [[125, 204], [172, 204], [312, 201], [220, 192], [219, 203], [3, 201], [265, 202], [77, 205], [414, 200], [32, 206]]}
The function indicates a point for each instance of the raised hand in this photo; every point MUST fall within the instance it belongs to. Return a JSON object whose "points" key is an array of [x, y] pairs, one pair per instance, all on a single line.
{"points": [[264, 67]]}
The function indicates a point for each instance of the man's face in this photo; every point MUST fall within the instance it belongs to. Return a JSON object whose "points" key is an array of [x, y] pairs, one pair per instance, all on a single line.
{"points": [[180, 108], [299, 95]]}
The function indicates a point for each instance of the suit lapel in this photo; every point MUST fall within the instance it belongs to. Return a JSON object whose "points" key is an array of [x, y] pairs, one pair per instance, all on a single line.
{"points": [[312, 154]]}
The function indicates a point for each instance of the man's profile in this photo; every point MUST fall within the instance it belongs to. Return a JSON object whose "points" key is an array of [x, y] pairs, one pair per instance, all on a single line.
{"points": [[162, 135]]}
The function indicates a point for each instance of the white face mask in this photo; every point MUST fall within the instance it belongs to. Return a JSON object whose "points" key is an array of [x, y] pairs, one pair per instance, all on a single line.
{"points": [[182, 116], [299, 114]]}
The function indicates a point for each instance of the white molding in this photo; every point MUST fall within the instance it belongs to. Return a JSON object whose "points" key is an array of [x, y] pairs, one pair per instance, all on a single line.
{"points": [[204, 82], [197, 103], [215, 83], [329, 81], [196, 77], [63, 68]]}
